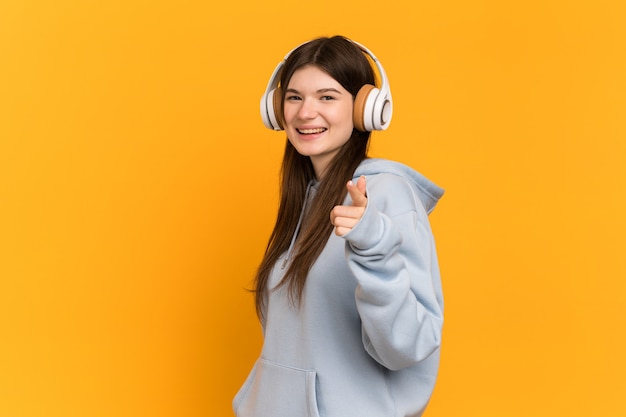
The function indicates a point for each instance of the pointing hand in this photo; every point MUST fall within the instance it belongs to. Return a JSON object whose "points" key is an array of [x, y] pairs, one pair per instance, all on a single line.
{"points": [[344, 218]]}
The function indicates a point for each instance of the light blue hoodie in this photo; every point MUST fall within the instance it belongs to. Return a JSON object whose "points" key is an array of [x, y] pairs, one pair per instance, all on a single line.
{"points": [[365, 338]]}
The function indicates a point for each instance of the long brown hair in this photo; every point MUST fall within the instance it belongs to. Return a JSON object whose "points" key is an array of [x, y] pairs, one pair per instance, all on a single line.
{"points": [[347, 64]]}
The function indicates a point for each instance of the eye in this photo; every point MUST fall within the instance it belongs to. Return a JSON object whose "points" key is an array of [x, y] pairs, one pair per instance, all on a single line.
{"points": [[292, 97], [327, 98]]}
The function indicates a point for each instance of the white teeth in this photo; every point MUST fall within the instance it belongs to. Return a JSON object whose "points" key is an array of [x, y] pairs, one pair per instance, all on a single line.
{"points": [[312, 131]]}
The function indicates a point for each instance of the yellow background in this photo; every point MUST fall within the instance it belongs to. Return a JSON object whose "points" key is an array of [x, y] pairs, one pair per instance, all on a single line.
{"points": [[138, 188]]}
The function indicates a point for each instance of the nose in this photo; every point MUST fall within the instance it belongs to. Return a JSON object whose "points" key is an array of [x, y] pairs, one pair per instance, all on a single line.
{"points": [[307, 109]]}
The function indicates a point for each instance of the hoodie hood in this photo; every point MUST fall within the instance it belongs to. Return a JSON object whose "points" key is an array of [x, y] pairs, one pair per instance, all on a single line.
{"points": [[428, 192]]}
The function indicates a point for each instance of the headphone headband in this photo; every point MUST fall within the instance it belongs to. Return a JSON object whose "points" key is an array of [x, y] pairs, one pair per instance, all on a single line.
{"points": [[373, 106]]}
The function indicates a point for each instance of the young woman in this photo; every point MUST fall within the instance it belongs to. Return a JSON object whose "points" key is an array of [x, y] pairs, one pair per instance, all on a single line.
{"points": [[348, 293]]}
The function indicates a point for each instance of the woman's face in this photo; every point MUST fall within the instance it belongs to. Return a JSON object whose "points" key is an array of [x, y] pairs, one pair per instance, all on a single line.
{"points": [[318, 115]]}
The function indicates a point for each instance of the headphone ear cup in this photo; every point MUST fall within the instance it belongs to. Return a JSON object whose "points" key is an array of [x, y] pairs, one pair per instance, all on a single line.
{"points": [[271, 109], [361, 117], [277, 104]]}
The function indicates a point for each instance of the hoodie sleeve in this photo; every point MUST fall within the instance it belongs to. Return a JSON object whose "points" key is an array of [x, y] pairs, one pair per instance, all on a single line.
{"points": [[391, 253]]}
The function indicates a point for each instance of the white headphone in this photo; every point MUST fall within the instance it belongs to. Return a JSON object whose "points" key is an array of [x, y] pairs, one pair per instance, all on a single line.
{"points": [[373, 107]]}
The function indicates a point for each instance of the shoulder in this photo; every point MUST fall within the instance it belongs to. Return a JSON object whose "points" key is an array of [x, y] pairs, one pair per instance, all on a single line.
{"points": [[391, 193], [399, 182]]}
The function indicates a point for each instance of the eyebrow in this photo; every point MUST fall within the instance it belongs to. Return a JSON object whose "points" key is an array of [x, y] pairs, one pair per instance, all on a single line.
{"points": [[320, 91]]}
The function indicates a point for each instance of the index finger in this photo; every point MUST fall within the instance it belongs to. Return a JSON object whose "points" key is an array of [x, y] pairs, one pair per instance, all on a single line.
{"points": [[358, 192]]}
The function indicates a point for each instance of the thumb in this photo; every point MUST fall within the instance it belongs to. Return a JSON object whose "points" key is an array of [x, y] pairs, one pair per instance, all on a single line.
{"points": [[358, 192]]}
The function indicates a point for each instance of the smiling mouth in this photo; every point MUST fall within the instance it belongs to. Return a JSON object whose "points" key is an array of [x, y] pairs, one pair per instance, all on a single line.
{"points": [[311, 131]]}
